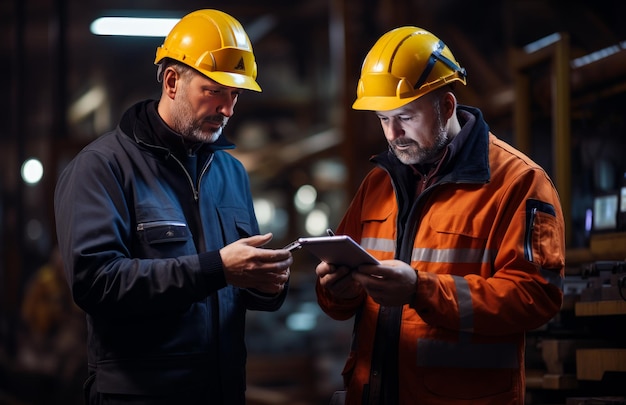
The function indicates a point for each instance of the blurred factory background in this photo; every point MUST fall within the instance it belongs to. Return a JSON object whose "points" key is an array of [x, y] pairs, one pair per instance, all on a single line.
{"points": [[539, 69]]}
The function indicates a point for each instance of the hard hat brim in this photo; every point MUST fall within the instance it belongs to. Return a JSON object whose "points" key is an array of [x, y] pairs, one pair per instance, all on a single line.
{"points": [[233, 80], [382, 103]]}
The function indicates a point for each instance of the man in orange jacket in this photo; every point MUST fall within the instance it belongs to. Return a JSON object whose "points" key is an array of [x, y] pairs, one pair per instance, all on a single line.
{"points": [[469, 233]]}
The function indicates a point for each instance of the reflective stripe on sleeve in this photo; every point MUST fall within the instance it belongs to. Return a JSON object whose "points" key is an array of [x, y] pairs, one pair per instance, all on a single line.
{"points": [[464, 299]]}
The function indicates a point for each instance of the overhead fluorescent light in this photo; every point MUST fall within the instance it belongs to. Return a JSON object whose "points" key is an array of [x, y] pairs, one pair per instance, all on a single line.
{"points": [[133, 26], [87, 103], [580, 61], [597, 55], [542, 43]]}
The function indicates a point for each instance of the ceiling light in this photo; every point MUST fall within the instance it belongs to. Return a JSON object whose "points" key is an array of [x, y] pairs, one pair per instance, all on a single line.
{"points": [[133, 26], [542, 43], [597, 55]]}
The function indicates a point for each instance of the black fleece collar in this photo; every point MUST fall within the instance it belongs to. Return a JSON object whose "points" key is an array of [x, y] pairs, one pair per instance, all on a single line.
{"points": [[143, 123]]}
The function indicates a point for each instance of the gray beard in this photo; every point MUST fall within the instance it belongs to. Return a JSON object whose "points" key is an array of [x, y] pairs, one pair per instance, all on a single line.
{"points": [[418, 155], [197, 135]]}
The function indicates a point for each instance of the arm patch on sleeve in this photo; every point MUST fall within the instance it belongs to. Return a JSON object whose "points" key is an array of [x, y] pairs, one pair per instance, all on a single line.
{"points": [[542, 241]]}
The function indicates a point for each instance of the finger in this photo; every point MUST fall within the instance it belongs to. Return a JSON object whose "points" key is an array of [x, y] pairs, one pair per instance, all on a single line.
{"points": [[323, 269], [266, 259], [339, 271], [257, 240], [279, 276], [275, 256]]}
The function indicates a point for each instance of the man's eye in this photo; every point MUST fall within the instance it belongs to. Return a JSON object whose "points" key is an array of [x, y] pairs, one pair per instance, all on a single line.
{"points": [[406, 118], [211, 90]]}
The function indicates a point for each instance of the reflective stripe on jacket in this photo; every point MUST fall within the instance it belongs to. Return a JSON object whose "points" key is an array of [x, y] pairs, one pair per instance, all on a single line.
{"points": [[487, 240]]}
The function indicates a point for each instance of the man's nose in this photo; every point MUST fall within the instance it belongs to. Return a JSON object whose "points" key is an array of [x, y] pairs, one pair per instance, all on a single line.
{"points": [[395, 129], [227, 106]]}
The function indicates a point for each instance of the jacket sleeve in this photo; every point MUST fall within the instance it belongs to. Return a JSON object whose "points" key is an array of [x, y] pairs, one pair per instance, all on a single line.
{"points": [[256, 300], [518, 286], [95, 236]]}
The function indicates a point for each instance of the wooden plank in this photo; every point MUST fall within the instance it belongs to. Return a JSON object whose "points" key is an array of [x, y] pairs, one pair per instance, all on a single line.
{"points": [[591, 364], [539, 379], [595, 308]]}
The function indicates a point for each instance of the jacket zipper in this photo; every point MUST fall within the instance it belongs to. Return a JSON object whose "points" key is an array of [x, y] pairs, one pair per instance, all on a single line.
{"points": [[194, 189], [528, 243], [202, 173]]}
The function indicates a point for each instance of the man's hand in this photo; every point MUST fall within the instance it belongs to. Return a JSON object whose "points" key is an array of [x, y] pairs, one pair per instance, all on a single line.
{"points": [[246, 265], [338, 281], [392, 283]]}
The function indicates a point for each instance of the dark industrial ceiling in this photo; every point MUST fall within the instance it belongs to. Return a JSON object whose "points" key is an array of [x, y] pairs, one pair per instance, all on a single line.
{"points": [[50, 56]]}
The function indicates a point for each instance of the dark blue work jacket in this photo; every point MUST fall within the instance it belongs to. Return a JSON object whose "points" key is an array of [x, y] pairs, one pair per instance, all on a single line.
{"points": [[140, 221]]}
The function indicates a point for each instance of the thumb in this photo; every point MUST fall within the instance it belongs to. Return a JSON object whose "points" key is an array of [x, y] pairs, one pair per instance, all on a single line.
{"points": [[257, 240]]}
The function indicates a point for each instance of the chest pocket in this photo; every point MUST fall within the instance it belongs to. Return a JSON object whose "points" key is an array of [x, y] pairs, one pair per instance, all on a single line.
{"points": [[163, 239], [378, 209], [236, 224], [378, 231], [164, 232], [466, 225]]}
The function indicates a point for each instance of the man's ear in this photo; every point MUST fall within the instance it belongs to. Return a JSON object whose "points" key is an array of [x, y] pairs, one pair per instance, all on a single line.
{"points": [[448, 104], [170, 82]]}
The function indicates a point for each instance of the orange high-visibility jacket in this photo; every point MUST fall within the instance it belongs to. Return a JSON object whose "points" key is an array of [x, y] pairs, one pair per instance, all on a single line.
{"points": [[487, 242]]}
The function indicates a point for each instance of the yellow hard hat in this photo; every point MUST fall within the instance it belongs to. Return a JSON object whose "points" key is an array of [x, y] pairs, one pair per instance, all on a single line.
{"points": [[403, 65], [216, 45]]}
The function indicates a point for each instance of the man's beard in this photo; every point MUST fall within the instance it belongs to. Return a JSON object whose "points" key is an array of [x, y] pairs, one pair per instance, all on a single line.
{"points": [[415, 154], [190, 129], [194, 133]]}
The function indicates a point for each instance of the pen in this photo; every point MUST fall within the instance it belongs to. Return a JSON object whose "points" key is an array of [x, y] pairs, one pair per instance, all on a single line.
{"points": [[330, 232]]}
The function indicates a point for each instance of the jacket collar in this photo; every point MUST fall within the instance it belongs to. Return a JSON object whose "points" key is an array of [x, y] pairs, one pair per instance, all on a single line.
{"points": [[142, 123]]}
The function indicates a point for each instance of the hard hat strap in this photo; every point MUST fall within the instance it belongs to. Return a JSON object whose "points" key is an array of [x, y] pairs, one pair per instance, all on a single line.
{"points": [[435, 56]]}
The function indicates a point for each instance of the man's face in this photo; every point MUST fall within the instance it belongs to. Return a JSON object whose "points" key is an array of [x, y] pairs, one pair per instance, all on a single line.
{"points": [[202, 108], [415, 132]]}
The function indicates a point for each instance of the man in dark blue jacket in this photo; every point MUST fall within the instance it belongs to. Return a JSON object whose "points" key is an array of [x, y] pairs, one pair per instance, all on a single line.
{"points": [[158, 234]]}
